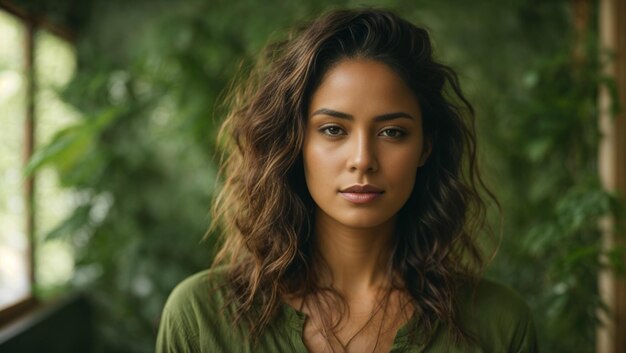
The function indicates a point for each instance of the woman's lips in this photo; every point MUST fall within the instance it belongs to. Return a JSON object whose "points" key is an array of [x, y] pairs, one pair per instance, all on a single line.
{"points": [[361, 197], [361, 193], [366, 188]]}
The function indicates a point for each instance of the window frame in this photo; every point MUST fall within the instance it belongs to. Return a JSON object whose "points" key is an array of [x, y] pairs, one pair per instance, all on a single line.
{"points": [[32, 23]]}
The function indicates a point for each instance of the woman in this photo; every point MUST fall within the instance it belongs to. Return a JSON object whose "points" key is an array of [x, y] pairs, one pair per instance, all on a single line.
{"points": [[350, 208]]}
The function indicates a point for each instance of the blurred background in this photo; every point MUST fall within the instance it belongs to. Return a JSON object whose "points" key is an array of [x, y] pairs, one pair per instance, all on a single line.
{"points": [[109, 111]]}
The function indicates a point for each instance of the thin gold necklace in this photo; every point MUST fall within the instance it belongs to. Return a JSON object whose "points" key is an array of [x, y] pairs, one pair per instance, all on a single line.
{"points": [[383, 305], [372, 316]]}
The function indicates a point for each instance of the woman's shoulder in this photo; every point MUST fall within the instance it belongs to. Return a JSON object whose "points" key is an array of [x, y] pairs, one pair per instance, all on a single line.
{"points": [[201, 292], [209, 282], [488, 295], [497, 316], [195, 308]]}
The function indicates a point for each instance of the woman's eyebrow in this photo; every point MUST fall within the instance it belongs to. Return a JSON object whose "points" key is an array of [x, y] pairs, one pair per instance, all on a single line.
{"points": [[346, 116]]}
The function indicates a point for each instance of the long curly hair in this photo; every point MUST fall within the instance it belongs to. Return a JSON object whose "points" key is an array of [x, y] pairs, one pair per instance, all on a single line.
{"points": [[264, 209]]}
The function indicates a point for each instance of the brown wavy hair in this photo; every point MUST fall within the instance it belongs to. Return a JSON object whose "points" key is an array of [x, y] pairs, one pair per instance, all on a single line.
{"points": [[265, 211]]}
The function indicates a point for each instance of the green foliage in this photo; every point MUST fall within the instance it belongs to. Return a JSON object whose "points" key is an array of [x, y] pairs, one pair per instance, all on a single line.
{"points": [[149, 83], [554, 197]]}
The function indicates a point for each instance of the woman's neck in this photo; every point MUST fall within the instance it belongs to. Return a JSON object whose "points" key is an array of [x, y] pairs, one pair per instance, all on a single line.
{"points": [[357, 258]]}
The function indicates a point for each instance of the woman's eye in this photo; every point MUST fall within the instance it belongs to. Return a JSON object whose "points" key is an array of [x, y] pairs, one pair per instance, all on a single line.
{"points": [[394, 133], [332, 130]]}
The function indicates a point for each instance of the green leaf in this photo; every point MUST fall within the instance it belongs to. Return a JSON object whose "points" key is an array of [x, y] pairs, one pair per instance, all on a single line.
{"points": [[69, 226], [71, 145], [66, 146]]}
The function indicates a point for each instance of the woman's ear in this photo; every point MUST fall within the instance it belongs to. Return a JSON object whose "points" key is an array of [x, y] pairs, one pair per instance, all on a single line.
{"points": [[428, 147]]}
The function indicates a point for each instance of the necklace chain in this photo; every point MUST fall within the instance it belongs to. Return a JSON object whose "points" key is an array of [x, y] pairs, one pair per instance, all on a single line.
{"points": [[383, 305]]}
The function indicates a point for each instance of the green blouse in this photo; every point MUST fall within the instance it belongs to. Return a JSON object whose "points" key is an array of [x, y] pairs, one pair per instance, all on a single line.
{"points": [[195, 320]]}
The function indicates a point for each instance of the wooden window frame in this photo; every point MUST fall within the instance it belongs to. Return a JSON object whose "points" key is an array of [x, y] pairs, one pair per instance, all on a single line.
{"points": [[612, 169], [32, 23]]}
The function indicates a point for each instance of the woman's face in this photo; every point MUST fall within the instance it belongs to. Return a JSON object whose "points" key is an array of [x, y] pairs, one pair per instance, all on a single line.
{"points": [[364, 131]]}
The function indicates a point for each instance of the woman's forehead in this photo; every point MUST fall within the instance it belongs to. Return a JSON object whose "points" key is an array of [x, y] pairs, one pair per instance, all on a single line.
{"points": [[355, 85]]}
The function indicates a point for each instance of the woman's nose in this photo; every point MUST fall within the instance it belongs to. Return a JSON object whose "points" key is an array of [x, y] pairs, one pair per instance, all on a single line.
{"points": [[362, 154]]}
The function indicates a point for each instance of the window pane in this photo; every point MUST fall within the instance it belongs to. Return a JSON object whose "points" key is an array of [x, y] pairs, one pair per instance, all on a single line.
{"points": [[55, 64], [14, 278]]}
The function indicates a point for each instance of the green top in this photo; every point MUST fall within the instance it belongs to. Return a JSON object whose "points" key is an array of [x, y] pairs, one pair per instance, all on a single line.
{"points": [[195, 320]]}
